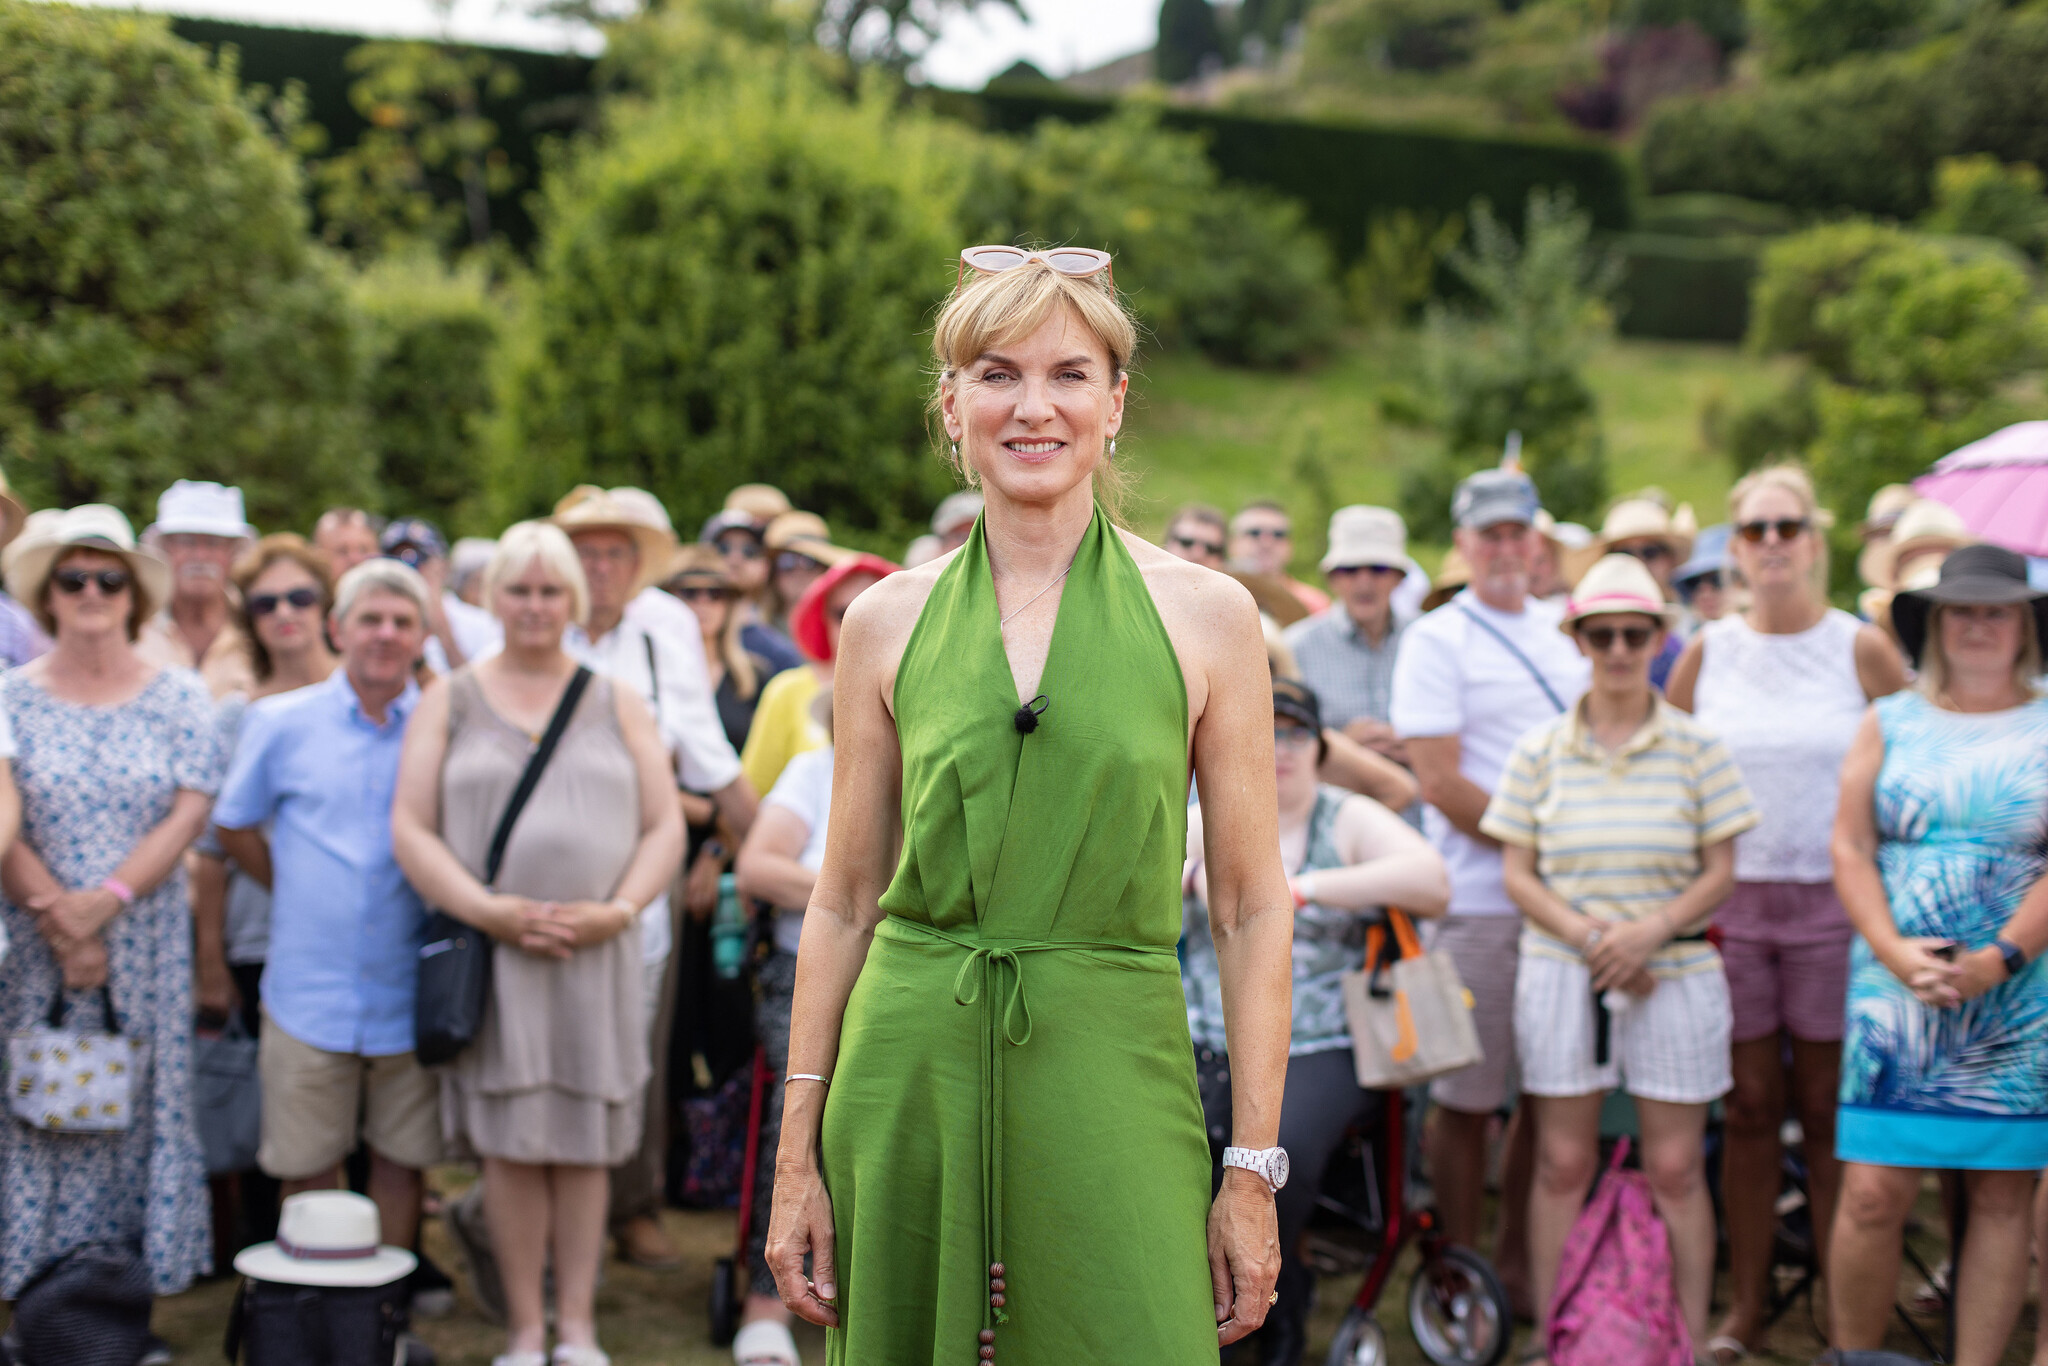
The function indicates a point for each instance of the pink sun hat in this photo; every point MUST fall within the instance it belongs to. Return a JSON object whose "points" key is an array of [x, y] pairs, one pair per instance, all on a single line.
{"points": [[1616, 583]]}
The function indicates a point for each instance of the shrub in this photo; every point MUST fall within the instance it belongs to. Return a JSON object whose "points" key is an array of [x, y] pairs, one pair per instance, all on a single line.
{"points": [[735, 285], [1799, 35], [430, 339], [1410, 35], [163, 313], [1979, 196], [1395, 277], [1686, 288]]}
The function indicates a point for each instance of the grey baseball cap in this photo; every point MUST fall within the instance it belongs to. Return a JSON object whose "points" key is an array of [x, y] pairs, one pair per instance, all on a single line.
{"points": [[1493, 496]]}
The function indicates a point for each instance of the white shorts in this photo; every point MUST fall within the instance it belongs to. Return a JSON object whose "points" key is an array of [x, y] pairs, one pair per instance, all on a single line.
{"points": [[1672, 1045], [1486, 949]]}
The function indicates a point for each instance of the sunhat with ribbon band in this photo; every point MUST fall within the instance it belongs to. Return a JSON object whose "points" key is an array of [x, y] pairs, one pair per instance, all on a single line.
{"points": [[330, 1238], [90, 526], [1616, 583], [633, 512], [1982, 575]]}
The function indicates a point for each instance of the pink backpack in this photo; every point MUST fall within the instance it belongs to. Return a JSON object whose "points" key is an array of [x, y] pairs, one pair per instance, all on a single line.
{"points": [[1616, 1302]]}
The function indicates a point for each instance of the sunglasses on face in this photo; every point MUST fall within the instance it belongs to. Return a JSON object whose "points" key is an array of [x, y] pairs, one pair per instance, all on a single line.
{"points": [[1788, 529], [1710, 580], [111, 581], [1196, 543], [1078, 262], [789, 561], [303, 599], [1378, 571], [1293, 737], [704, 592], [1648, 554], [745, 547], [1601, 638]]}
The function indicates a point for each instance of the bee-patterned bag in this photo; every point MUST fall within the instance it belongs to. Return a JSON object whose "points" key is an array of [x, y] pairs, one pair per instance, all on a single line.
{"points": [[71, 1080]]}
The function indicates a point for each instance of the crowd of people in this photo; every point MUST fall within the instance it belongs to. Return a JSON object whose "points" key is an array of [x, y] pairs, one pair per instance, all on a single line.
{"points": [[1685, 829]]}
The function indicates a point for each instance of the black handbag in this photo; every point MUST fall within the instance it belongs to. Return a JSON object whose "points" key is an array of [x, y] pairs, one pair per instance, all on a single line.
{"points": [[309, 1325], [90, 1307], [455, 960]]}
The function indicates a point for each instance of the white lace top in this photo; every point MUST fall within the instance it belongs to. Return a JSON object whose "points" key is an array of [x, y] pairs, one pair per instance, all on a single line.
{"points": [[1787, 706]]}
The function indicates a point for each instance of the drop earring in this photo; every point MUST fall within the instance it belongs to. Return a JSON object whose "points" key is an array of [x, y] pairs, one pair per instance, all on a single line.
{"points": [[1112, 448], [956, 452]]}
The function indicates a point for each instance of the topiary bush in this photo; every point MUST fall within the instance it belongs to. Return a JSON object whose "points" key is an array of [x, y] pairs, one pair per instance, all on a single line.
{"points": [[163, 312]]}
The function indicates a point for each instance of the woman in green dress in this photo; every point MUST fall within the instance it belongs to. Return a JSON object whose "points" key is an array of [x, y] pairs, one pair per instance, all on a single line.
{"points": [[992, 1147]]}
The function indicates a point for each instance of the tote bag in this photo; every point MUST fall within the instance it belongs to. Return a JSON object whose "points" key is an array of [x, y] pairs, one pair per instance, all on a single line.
{"points": [[75, 1080], [1409, 1012]]}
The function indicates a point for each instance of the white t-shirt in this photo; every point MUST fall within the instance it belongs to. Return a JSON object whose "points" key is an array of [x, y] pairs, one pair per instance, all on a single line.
{"points": [[477, 634], [805, 788], [1453, 677]]}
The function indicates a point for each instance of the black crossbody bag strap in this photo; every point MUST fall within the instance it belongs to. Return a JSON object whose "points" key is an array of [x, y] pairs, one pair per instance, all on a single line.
{"points": [[1483, 624], [653, 678], [535, 763]]}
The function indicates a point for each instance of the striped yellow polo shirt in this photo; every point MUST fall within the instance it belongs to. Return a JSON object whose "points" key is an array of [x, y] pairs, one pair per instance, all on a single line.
{"points": [[1619, 834]]}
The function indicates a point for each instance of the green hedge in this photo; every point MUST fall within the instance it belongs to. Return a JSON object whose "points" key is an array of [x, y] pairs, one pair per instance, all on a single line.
{"points": [[1344, 174], [1686, 288]]}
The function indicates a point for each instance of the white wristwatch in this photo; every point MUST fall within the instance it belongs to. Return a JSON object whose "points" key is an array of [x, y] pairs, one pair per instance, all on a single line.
{"points": [[1269, 1164]]}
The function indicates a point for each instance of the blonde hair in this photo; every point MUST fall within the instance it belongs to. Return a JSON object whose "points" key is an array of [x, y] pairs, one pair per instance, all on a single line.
{"points": [[988, 311], [1933, 665], [701, 561], [520, 546], [1792, 479]]}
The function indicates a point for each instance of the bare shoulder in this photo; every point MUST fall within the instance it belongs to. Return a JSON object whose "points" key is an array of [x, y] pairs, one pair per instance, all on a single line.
{"points": [[1199, 605], [879, 623]]}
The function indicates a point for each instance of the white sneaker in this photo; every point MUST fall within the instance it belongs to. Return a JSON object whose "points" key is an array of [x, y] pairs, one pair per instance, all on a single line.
{"points": [[765, 1342], [566, 1355], [521, 1359]]}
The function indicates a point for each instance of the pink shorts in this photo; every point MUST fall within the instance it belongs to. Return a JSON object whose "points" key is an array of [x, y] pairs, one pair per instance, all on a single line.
{"points": [[1785, 948]]}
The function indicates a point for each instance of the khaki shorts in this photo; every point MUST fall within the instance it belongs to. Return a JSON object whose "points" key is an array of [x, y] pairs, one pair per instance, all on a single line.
{"points": [[316, 1104], [1487, 950]]}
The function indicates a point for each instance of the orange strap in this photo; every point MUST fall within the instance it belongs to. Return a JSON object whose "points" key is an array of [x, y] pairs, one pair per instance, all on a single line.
{"points": [[1410, 947]]}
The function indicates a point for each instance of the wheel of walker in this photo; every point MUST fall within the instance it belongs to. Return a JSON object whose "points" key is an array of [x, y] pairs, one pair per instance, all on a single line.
{"points": [[1458, 1311], [1360, 1341], [725, 1303]]}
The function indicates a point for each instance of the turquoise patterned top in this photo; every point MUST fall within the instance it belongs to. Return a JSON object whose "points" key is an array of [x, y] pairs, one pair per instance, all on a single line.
{"points": [[1962, 824], [1327, 944]]}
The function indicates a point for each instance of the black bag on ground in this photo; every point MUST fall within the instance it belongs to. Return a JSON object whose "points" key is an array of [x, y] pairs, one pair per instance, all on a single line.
{"points": [[455, 960], [312, 1325], [90, 1307], [227, 1098]]}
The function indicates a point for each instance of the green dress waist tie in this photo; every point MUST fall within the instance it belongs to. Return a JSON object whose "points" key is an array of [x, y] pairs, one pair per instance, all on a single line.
{"points": [[1013, 1139]]}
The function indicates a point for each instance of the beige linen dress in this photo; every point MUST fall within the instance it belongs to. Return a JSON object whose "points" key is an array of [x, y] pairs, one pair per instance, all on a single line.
{"points": [[558, 1073]]}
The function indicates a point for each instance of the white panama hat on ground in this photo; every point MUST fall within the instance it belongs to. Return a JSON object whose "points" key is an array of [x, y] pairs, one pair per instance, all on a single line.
{"points": [[330, 1238]]}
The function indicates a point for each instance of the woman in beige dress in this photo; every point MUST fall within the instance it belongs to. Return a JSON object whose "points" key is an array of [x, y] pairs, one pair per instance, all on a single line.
{"points": [[550, 1094]]}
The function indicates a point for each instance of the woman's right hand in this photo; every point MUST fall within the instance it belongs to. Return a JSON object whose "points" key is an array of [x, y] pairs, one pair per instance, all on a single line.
{"points": [[1926, 974], [800, 1223], [84, 964], [507, 918]]}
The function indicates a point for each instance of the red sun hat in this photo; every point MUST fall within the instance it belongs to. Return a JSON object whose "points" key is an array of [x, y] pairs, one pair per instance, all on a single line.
{"points": [[807, 618]]}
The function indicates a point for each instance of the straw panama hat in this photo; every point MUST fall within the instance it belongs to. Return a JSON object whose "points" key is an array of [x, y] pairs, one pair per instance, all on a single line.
{"points": [[632, 511], [1634, 519], [95, 526], [329, 1238], [1926, 525], [761, 502], [1616, 583]]}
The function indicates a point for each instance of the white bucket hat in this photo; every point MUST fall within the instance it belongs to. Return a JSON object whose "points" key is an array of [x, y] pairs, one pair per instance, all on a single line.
{"points": [[95, 526], [200, 507], [1366, 537], [327, 1238], [1616, 583]]}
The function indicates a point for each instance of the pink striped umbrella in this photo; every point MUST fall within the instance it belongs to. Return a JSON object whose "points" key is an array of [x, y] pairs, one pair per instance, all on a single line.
{"points": [[1998, 486]]}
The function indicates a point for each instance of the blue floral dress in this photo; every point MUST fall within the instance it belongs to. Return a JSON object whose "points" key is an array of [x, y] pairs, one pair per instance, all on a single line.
{"points": [[93, 782], [1962, 824]]}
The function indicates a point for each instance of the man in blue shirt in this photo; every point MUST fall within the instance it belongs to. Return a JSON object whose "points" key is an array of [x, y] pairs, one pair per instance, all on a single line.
{"points": [[317, 767]]}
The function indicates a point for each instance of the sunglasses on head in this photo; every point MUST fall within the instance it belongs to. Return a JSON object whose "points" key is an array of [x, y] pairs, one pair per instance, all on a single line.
{"points": [[111, 581], [304, 599], [1788, 529], [1196, 543], [1602, 638], [1078, 262]]}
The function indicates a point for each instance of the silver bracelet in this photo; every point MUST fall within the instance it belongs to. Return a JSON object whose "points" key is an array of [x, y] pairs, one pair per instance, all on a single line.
{"points": [[806, 1076], [1592, 938]]}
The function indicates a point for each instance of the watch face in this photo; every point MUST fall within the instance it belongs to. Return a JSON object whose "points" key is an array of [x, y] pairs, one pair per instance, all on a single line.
{"points": [[1278, 1164]]}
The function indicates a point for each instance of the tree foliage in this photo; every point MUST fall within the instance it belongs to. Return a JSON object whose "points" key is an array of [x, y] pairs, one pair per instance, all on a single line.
{"points": [[163, 312], [1800, 35], [1190, 41], [1980, 196]]}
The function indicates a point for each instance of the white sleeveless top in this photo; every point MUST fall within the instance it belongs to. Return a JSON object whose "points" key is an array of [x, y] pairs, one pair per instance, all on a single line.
{"points": [[1787, 706]]}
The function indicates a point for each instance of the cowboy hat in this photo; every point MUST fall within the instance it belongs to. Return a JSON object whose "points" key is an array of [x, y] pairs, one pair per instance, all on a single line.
{"points": [[1926, 525], [94, 526], [633, 512], [327, 1238], [1616, 583]]}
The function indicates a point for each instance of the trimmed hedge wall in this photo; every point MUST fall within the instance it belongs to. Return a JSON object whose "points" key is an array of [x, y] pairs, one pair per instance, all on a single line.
{"points": [[1686, 288], [1345, 173]]}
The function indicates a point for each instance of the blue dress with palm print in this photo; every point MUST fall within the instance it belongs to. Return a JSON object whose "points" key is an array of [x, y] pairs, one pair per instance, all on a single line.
{"points": [[1962, 825]]}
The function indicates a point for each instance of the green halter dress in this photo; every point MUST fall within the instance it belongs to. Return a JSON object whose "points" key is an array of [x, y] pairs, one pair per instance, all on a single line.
{"points": [[1013, 1139]]}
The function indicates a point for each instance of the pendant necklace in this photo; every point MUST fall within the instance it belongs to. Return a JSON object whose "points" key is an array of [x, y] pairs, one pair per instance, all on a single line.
{"points": [[1036, 596]]}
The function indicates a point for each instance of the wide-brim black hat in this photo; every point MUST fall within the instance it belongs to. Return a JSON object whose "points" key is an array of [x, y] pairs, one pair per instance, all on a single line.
{"points": [[1979, 574]]}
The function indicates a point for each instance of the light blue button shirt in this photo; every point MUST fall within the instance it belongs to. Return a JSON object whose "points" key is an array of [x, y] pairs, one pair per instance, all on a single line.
{"points": [[345, 927]]}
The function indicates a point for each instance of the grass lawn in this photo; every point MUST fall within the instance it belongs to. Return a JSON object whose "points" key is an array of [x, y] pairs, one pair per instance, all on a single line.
{"points": [[1200, 431]]}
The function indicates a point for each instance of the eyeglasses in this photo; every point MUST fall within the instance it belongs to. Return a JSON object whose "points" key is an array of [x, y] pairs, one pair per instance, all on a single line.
{"points": [[701, 592], [744, 546], [1788, 529], [1601, 638], [1710, 579], [1078, 262], [1196, 543], [303, 599], [1260, 533], [1293, 737], [789, 561], [111, 581]]}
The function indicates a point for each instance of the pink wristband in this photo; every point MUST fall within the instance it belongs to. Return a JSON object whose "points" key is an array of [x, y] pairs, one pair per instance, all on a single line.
{"points": [[123, 893]]}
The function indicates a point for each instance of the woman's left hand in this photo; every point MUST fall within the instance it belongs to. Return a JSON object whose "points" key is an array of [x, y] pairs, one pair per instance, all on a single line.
{"points": [[1977, 972], [84, 964], [65, 918], [583, 924], [1244, 1254], [1623, 951]]}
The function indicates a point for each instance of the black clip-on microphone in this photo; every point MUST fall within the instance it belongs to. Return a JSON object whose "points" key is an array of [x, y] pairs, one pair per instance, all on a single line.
{"points": [[1026, 719]]}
